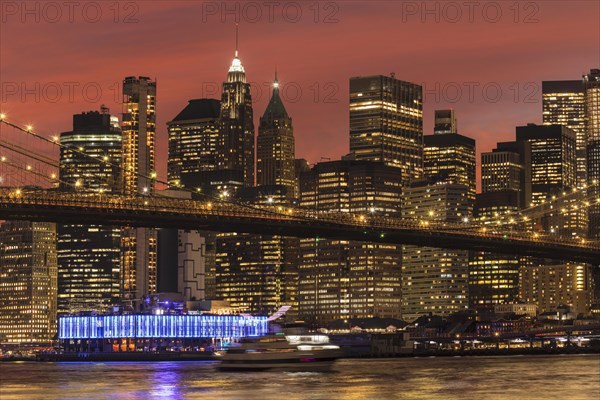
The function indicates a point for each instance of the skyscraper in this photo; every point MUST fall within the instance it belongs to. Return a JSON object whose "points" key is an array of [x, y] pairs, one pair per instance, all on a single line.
{"points": [[193, 140], [257, 273], [275, 146], [502, 169], [549, 161], [494, 278], [563, 104], [445, 122], [236, 125], [386, 123], [434, 280], [340, 279], [450, 157], [592, 109], [138, 245], [89, 255], [28, 281]]}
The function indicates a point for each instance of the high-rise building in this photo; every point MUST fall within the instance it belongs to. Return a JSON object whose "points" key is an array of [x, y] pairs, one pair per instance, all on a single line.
{"points": [[236, 126], [445, 122], [563, 104], [450, 157], [502, 169], [494, 278], [549, 161], [258, 273], [346, 279], [434, 280], [275, 146], [138, 245], [551, 286], [386, 123], [89, 255], [28, 270], [592, 110], [193, 139]]}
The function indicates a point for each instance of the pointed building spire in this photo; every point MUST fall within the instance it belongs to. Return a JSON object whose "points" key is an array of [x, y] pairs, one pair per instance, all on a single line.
{"points": [[236, 64], [236, 39], [276, 82]]}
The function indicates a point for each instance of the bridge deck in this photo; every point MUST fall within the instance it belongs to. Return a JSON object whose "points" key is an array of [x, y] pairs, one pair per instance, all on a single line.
{"points": [[67, 207]]}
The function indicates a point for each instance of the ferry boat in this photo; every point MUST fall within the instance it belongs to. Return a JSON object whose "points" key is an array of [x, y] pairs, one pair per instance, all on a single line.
{"points": [[304, 352]]}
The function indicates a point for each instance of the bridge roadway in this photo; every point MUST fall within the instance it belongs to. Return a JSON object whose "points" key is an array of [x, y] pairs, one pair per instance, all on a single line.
{"points": [[161, 212]]}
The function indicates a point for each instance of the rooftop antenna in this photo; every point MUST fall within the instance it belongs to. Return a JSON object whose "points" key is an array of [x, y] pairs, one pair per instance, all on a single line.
{"points": [[236, 40]]}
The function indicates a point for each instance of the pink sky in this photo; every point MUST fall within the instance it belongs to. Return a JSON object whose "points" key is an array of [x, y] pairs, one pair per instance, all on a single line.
{"points": [[188, 49]]}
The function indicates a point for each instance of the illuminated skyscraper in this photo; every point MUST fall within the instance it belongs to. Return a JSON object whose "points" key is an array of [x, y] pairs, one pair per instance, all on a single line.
{"points": [[258, 273], [563, 104], [592, 107], [549, 161], [138, 245], [193, 139], [502, 169], [450, 157], [346, 279], [236, 126], [275, 146], [89, 255], [445, 122], [494, 278], [386, 123], [27, 281], [434, 280]]}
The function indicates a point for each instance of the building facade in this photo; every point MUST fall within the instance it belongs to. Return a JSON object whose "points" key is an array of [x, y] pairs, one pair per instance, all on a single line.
{"points": [[563, 103], [28, 281], [450, 157], [89, 255], [236, 126], [138, 245], [592, 110], [434, 280], [445, 122], [551, 286], [193, 139], [386, 123], [346, 279]]}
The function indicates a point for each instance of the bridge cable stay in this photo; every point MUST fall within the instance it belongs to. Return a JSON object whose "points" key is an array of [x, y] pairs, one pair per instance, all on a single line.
{"points": [[56, 142]]}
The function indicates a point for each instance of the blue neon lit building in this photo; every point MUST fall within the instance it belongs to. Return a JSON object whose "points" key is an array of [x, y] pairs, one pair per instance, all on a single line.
{"points": [[161, 326]]}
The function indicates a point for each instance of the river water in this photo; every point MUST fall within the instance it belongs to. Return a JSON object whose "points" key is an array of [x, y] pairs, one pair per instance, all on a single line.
{"points": [[516, 377]]}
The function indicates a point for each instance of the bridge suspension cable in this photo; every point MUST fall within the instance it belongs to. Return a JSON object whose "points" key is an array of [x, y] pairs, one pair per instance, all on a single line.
{"points": [[55, 141]]}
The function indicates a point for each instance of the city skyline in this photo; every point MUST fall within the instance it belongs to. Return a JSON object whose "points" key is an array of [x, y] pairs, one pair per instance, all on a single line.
{"points": [[485, 121]]}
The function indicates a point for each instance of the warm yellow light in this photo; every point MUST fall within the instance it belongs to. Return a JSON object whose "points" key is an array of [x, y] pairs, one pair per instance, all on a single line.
{"points": [[2, 116]]}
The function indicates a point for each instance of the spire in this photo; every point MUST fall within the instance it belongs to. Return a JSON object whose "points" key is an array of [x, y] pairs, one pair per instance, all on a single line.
{"points": [[275, 108], [236, 64], [236, 39]]}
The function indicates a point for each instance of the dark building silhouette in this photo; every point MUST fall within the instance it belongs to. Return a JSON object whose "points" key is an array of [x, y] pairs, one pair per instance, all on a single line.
{"points": [[275, 145]]}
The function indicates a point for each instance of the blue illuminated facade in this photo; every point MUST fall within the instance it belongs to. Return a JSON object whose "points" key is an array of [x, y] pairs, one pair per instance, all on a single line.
{"points": [[161, 326]]}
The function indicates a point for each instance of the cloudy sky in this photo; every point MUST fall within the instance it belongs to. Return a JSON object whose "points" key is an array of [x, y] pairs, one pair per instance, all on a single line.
{"points": [[484, 59]]}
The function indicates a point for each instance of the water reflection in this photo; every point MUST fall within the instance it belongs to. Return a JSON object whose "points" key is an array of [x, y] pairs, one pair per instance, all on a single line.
{"points": [[476, 378]]}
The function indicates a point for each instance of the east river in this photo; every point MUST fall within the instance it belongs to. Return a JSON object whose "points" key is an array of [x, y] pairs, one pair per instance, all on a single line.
{"points": [[510, 377]]}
